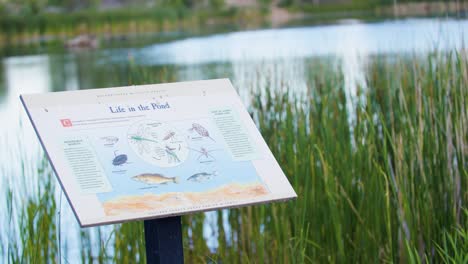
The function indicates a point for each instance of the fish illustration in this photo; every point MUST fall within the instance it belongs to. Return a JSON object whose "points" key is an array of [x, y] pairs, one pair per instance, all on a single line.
{"points": [[202, 176], [155, 178]]}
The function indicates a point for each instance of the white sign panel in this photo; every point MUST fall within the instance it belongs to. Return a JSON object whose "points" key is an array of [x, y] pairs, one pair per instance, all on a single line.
{"points": [[153, 151]]}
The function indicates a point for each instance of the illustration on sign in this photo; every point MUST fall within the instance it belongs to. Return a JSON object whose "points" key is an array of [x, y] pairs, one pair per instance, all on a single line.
{"points": [[171, 166]]}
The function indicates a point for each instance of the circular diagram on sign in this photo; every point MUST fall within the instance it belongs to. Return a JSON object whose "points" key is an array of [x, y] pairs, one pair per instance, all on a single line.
{"points": [[158, 143]]}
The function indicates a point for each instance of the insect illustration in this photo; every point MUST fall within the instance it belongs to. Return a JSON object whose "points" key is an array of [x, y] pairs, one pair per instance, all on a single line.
{"points": [[119, 159], [109, 140], [200, 130], [139, 138], [172, 157], [170, 135], [141, 143], [205, 153]]}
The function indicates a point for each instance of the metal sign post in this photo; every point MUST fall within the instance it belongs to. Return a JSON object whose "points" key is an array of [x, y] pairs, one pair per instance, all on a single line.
{"points": [[163, 239]]}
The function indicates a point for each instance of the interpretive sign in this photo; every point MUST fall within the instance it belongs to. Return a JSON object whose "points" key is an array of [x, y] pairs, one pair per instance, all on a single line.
{"points": [[153, 151]]}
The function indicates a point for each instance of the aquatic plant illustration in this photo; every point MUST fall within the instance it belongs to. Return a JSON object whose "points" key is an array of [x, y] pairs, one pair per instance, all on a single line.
{"points": [[158, 143], [201, 131], [171, 155]]}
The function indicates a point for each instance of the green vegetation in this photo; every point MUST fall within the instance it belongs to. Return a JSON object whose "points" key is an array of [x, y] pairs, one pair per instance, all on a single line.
{"points": [[124, 22], [383, 179], [329, 11], [344, 5]]}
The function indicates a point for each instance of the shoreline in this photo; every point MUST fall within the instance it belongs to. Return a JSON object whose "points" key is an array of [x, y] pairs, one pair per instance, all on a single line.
{"points": [[130, 32]]}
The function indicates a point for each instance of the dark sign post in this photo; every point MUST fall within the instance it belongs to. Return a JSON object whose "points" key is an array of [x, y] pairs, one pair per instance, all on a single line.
{"points": [[163, 239]]}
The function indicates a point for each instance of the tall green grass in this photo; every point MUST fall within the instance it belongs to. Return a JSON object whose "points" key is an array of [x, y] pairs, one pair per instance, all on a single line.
{"points": [[382, 181]]}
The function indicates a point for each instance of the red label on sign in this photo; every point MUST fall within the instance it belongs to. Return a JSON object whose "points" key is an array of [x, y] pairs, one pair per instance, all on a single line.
{"points": [[66, 122]]}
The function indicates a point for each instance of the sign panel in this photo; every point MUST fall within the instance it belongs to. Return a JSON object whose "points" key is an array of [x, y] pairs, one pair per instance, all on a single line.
{"points": [[153, 151]]}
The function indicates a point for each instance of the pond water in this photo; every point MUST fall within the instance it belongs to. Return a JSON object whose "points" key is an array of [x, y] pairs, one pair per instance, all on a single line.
{"points": [[248, 58]]}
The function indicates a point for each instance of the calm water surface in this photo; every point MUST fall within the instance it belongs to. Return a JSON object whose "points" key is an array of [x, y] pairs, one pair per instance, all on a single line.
{"points": [[249, 58]]}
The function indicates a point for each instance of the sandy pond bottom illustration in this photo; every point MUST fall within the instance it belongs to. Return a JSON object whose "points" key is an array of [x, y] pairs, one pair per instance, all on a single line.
{"points": [[149, 202]]}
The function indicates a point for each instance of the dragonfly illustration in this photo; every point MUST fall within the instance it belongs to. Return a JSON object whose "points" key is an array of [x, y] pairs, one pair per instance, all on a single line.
{"points": [[140, 138]]}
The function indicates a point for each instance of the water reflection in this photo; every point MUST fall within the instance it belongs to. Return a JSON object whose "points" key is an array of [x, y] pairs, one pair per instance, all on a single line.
{"points": [[64, 73], [20, 152], [22, 75], [411, 35], [3, 88]]}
